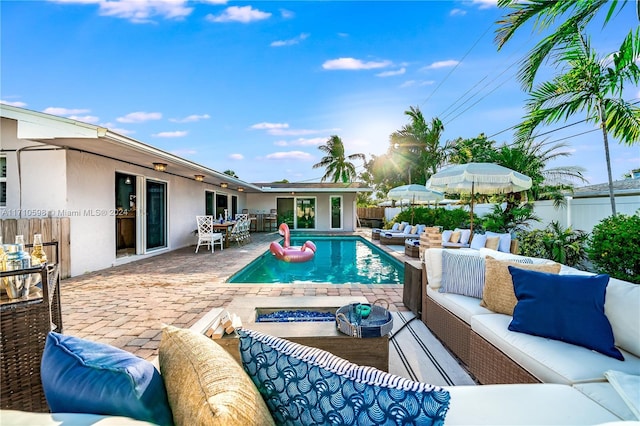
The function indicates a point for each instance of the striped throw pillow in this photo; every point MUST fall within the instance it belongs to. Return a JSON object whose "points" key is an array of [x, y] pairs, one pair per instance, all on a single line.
{"points": [[462, 274]]}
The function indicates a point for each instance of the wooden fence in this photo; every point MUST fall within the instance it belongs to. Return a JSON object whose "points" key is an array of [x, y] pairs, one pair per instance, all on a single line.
{"points": [[371, 212], [51, 228]]}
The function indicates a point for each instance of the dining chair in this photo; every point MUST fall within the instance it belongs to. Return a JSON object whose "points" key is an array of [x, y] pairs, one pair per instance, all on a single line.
{"points": [[206, 236]]}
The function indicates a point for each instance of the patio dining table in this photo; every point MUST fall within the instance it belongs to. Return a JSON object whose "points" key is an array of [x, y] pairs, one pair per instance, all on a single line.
{"points": [[226, 227]]}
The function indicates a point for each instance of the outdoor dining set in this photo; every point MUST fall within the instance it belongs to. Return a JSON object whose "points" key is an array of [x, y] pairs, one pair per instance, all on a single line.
{"points": [[222, 232]]}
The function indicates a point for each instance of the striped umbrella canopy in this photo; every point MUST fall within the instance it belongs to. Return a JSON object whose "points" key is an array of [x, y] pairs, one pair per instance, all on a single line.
{"points": [[416, 193], [479, 178]]}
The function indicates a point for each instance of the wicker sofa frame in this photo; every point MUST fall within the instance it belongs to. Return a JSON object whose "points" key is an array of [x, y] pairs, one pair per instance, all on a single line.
{"points": [[486, 363]]}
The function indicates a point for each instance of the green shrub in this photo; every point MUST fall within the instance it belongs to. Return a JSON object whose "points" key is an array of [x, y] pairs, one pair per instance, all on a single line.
{"points": [[564, 246], [614, 247], [511, 220], [448, 219]]}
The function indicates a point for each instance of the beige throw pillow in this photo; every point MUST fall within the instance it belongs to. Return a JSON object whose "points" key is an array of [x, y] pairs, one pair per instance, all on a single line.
{"points": [[492, 243], [455, 237], [498, 294], [205, 385]]}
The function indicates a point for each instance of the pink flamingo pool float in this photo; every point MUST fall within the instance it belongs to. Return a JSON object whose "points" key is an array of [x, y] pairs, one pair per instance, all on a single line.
{"points": [[287, 253]]}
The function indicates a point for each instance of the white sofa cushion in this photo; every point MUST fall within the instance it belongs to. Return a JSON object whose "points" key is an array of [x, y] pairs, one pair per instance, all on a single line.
{"points": [[551, 361], [604, 394], [622, 308], [464, 307], [21, 418], [498, 255], [520, 404]]}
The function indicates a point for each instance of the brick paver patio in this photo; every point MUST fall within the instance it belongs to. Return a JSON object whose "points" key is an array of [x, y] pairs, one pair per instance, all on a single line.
{"points": [[126, 305]]}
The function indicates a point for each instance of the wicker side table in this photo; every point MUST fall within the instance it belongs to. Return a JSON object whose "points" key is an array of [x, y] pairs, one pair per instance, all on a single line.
{"points": [[24, 324]]}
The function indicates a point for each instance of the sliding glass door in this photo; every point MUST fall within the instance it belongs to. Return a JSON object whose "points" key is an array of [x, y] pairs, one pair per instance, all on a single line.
{"points": [[156, 220]]}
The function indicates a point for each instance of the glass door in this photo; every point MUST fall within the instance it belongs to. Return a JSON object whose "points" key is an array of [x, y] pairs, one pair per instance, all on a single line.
{"points": [[305, 213], [156, 220], [126, 233], [336, 212]]}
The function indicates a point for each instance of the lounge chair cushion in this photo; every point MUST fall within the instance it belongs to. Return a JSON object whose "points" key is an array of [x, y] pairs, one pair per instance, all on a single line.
{"points": [[81, 376], [569, 308], [498, 294], [462, 274], [205, 384], [304, 385]]}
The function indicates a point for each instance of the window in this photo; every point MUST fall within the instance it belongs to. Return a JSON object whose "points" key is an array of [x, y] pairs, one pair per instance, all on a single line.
{"points": [[3, 181]]}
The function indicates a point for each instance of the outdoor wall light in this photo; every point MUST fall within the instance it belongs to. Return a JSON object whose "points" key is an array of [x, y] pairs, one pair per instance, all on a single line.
{"points": [[159, 167], [223, 185], [199, 178], [240, 189]]}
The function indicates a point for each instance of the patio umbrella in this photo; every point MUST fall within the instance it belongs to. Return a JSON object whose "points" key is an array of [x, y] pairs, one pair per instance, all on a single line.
{"points": [[417, 193], [479, 178]]}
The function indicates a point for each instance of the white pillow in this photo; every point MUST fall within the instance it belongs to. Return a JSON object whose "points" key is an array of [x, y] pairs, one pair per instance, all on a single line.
{"points": [[465, 235], [622, 308], [446, 235]]}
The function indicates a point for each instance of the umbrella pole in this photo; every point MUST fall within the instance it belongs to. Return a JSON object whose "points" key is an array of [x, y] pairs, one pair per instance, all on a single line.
{"points": [[472, 191]]}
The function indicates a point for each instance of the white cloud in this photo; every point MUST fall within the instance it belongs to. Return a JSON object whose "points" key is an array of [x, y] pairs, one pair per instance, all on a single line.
{"points": [[190, 119], [290, 155], [236, 157], [139, 11], [139, 117], [244, 14], [65, 111], [291, 132], [457, 12], [286, 14], [442, 64], [85, 118], [175, 134], [290, 42], [485, 4], [416, 83], [302, 142], [353, 64], [268, 126], [392, 73], [14, 103]]}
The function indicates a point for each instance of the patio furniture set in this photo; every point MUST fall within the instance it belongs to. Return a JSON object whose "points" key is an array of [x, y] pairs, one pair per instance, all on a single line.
{"points": [[211, 232]]}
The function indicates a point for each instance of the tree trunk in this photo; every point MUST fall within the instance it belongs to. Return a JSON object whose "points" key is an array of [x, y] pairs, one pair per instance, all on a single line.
{"points": [[603, 125]]}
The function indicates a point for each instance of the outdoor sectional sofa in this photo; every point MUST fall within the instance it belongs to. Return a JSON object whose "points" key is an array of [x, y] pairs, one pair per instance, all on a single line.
{"points": [[482, 340]]}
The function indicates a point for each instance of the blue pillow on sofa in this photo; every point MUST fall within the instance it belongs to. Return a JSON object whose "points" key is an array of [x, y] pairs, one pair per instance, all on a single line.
{"points": [[80, 376], [303, 385], [563, 307]]}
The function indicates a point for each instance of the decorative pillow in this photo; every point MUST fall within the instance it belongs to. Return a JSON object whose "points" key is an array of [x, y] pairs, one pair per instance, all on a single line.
{"points": [[304, 386], [205, 384], [492, 242], [395, 226], [408, 230], [505, 241], [465, 235], [421, 229], [433, 266], [446, 235], [622, 310], [498, 294], [80, 376], [478, 241], [462, 274], [455, 237], [569, 308], [401, 227]]}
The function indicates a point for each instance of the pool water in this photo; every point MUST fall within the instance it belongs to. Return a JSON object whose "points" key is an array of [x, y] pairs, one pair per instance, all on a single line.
{"points": [[338, 260]]}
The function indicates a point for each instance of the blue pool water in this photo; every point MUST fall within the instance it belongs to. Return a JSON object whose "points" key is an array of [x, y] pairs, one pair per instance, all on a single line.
{"points": [[338, 260]]}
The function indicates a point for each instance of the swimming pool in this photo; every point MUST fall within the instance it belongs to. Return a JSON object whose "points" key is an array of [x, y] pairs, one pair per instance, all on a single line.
{"points": [[338, 260]]}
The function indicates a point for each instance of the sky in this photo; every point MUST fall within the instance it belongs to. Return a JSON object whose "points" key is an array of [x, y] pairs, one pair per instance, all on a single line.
{"points": [[256, 87]]}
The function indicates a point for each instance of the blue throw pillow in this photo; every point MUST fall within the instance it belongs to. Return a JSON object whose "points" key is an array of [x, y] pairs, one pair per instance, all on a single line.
{"points": [[563, 307], [80, 376], [478, 241], [303, 386], [463, 273]]}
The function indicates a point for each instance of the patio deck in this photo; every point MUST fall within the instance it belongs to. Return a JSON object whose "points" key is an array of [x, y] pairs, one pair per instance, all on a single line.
{"points": [[126, 305]]}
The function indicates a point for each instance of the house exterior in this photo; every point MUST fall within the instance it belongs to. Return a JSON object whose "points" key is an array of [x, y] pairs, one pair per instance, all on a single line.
{"points": [[126, 199]]}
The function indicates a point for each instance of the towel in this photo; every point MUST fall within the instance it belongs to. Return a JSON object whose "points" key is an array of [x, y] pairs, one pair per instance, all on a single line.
{"points": [[628, 387]]}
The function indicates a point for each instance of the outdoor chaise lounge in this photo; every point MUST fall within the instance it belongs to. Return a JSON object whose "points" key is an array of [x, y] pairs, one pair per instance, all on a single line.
{"points": [[375, 232], [399, 237]]}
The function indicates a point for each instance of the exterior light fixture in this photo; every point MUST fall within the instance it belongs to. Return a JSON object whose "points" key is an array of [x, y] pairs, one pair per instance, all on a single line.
{"points": [[223, 185], [240, 189], [127, 181], [159, 167], [199, 178]]}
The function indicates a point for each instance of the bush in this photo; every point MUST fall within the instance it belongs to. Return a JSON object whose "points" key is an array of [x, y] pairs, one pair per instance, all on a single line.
{"points": [[448, 219], [614, 247], [564, 246]]}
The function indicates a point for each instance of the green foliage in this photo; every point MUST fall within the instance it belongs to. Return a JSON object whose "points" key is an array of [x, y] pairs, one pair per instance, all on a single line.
{"points": [[614, 247], [509, 220], [448, 219], [564, 246]]}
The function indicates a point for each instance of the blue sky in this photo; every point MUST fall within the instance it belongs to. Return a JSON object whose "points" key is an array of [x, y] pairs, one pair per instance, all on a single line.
{"points": [[256, 86]]}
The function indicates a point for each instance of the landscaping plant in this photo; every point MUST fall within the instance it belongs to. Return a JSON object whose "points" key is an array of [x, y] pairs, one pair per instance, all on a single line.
{"points": [[614, 247], [564, 246]]}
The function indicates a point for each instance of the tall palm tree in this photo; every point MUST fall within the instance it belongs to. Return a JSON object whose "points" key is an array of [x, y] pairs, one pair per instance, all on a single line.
{"points": [[593, 85], [544, 13], [418, 144], [338, 168]]}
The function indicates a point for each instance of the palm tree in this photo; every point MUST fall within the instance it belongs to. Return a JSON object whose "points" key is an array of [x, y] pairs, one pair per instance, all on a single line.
{"points": [[335, 162], [418, 146], [593, 85], [544, 14], [231, 173]]}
